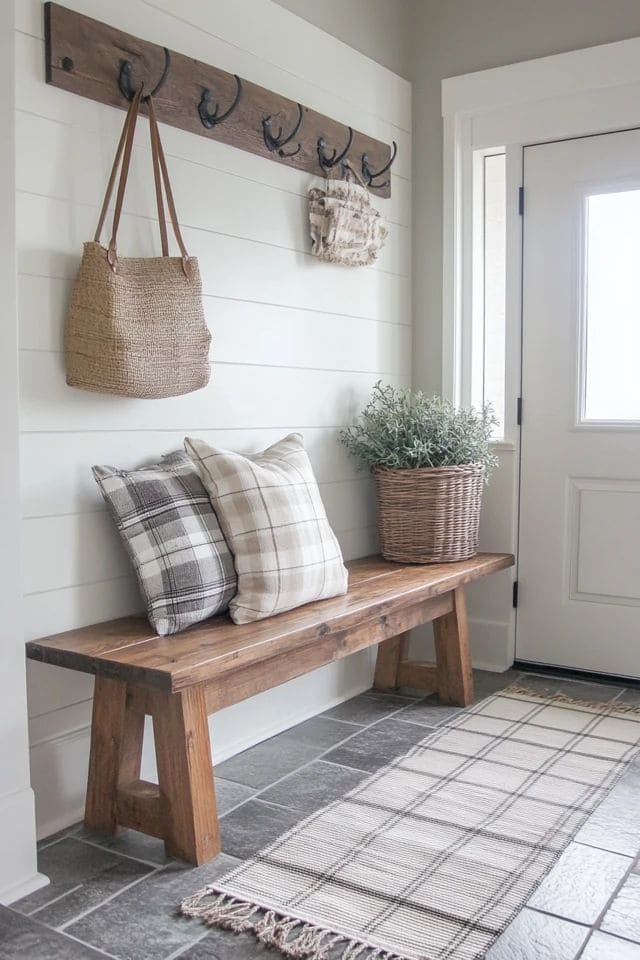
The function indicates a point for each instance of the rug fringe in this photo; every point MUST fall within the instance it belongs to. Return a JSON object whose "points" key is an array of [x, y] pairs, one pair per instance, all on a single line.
{"points": [[612, 706], [290, 936]]}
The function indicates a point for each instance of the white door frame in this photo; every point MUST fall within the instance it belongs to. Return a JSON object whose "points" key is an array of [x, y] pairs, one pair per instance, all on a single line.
{"points": [[588, 91]]}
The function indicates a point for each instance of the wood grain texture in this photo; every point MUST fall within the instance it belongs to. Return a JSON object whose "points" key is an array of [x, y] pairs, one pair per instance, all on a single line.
{"points": [[240, 684], [138, 806], [128, 649], [84, 56], [115, 754], [420, 676], [387, 662], [453, 654], [185, 775]]}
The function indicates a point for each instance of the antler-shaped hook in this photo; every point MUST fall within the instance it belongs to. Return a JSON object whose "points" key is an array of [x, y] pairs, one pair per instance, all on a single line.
{"points": [[277, 141], [369, 176], [125, 78], [211, 118], [327, 162]]}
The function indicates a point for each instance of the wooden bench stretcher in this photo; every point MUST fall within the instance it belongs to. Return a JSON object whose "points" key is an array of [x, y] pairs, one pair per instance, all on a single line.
{"points": [[179, 680]]}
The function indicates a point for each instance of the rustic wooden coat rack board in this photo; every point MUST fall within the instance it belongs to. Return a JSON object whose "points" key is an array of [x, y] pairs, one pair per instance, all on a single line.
{"points": [[98, 61]]}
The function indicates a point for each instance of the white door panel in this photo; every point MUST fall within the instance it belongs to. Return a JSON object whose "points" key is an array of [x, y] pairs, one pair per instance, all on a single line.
{"points": [[579, 558]]}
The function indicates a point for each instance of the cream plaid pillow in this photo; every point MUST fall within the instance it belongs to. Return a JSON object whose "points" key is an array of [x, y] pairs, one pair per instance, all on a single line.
{"points": [[273, 519]]}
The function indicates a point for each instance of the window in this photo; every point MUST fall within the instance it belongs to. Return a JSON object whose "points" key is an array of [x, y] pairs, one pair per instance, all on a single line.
{"points": [[489, 275], [611, 348]]}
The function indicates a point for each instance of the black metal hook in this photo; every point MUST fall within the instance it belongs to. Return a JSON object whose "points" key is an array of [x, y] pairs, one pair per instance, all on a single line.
{"points": [[125, 78], [369, 176], [277, 141], [327, 162], [211, 118]]}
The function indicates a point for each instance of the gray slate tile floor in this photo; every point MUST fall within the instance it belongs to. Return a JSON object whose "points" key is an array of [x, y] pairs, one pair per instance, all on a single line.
{"points": [[118, 897]]}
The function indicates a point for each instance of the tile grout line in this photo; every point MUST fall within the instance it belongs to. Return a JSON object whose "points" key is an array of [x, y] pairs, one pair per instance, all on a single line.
{"points": [[618, 887], [411, 701], [308, 763], [43, 906], [556, 916], [180, 952], [117, 853], [85, 913]]}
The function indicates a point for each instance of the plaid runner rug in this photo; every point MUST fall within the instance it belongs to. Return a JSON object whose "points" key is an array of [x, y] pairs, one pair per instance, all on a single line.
{"points": [[432, 856]]}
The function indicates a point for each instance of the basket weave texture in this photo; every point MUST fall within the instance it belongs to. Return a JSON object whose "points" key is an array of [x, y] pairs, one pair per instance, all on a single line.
{"points": [[429, 514], [138, 332]]}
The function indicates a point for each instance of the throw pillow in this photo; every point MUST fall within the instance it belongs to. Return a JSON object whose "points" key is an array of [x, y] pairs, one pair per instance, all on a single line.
{"points": [[273, 518], [169, 529]]}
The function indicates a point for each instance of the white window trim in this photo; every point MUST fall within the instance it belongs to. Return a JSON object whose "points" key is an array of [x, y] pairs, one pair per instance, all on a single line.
{"points": [[567, 95]]}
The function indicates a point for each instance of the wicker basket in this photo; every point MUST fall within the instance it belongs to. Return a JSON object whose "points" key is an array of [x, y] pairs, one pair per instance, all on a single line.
{"points": [[429, 515]]}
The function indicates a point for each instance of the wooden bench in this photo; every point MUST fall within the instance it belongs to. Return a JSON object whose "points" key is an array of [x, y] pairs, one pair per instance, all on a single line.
{"points": [[181, 679]]}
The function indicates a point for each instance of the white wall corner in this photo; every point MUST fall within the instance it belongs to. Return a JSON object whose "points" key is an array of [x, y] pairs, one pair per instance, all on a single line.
{"points": [[18, 871]]}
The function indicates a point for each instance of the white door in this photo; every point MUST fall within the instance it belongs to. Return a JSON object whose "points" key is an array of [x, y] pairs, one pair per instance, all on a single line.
{"points": [[579, 550]]}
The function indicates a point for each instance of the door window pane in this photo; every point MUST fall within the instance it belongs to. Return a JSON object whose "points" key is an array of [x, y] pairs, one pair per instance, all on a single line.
{"points": [[612, 355]]}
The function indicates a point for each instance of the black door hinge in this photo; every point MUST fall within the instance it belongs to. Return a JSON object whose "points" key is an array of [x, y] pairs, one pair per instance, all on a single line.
{"points": [[519, 411], [521, 201], [515, 594]]}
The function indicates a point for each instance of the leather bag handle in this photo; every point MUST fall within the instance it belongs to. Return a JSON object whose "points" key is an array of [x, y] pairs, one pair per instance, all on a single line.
{"points": [[122, 161], [159, 158], [133, 106]]}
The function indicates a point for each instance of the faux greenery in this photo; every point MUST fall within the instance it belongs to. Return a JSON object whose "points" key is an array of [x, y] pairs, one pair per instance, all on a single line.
{"points": [[400, 428]]}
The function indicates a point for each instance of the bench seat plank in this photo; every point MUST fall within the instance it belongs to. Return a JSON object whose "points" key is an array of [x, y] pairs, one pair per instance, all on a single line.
{"points": [[128, 649]]}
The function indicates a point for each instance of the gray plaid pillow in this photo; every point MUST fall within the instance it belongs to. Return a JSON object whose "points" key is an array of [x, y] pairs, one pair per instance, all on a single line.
{"points": [[165, 518]]}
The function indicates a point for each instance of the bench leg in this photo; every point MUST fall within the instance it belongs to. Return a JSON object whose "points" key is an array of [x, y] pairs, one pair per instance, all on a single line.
{"points": [[453, 654], [116, 750], [391, 652], [185, 775]]}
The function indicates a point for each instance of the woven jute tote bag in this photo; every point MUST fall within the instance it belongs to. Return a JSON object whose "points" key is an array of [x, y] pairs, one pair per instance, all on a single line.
{"points": [[345, 227], [430, 514], [135, 326]]}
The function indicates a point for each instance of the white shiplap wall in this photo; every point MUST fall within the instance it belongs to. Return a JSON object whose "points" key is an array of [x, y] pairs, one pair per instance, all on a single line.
{"points": [[296, 344]]}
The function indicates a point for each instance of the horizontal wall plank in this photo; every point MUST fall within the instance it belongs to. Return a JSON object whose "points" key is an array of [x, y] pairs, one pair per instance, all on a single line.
{"points": [[359, 543], [54, 688], [51, 234], [68, 550], [254, 333], [62, 721], [236, 397], [82, 548], [221, 158], [78, 606], [78, 165], [353, 82], [55, 470]]}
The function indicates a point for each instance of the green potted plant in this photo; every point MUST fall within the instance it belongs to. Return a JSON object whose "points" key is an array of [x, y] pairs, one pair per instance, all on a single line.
{"points": [[430, 461]]}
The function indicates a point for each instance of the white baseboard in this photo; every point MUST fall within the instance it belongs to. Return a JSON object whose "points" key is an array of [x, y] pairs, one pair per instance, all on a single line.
{"points": [[18, 868], [492, 644], [23, 889], [59, 760]]}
